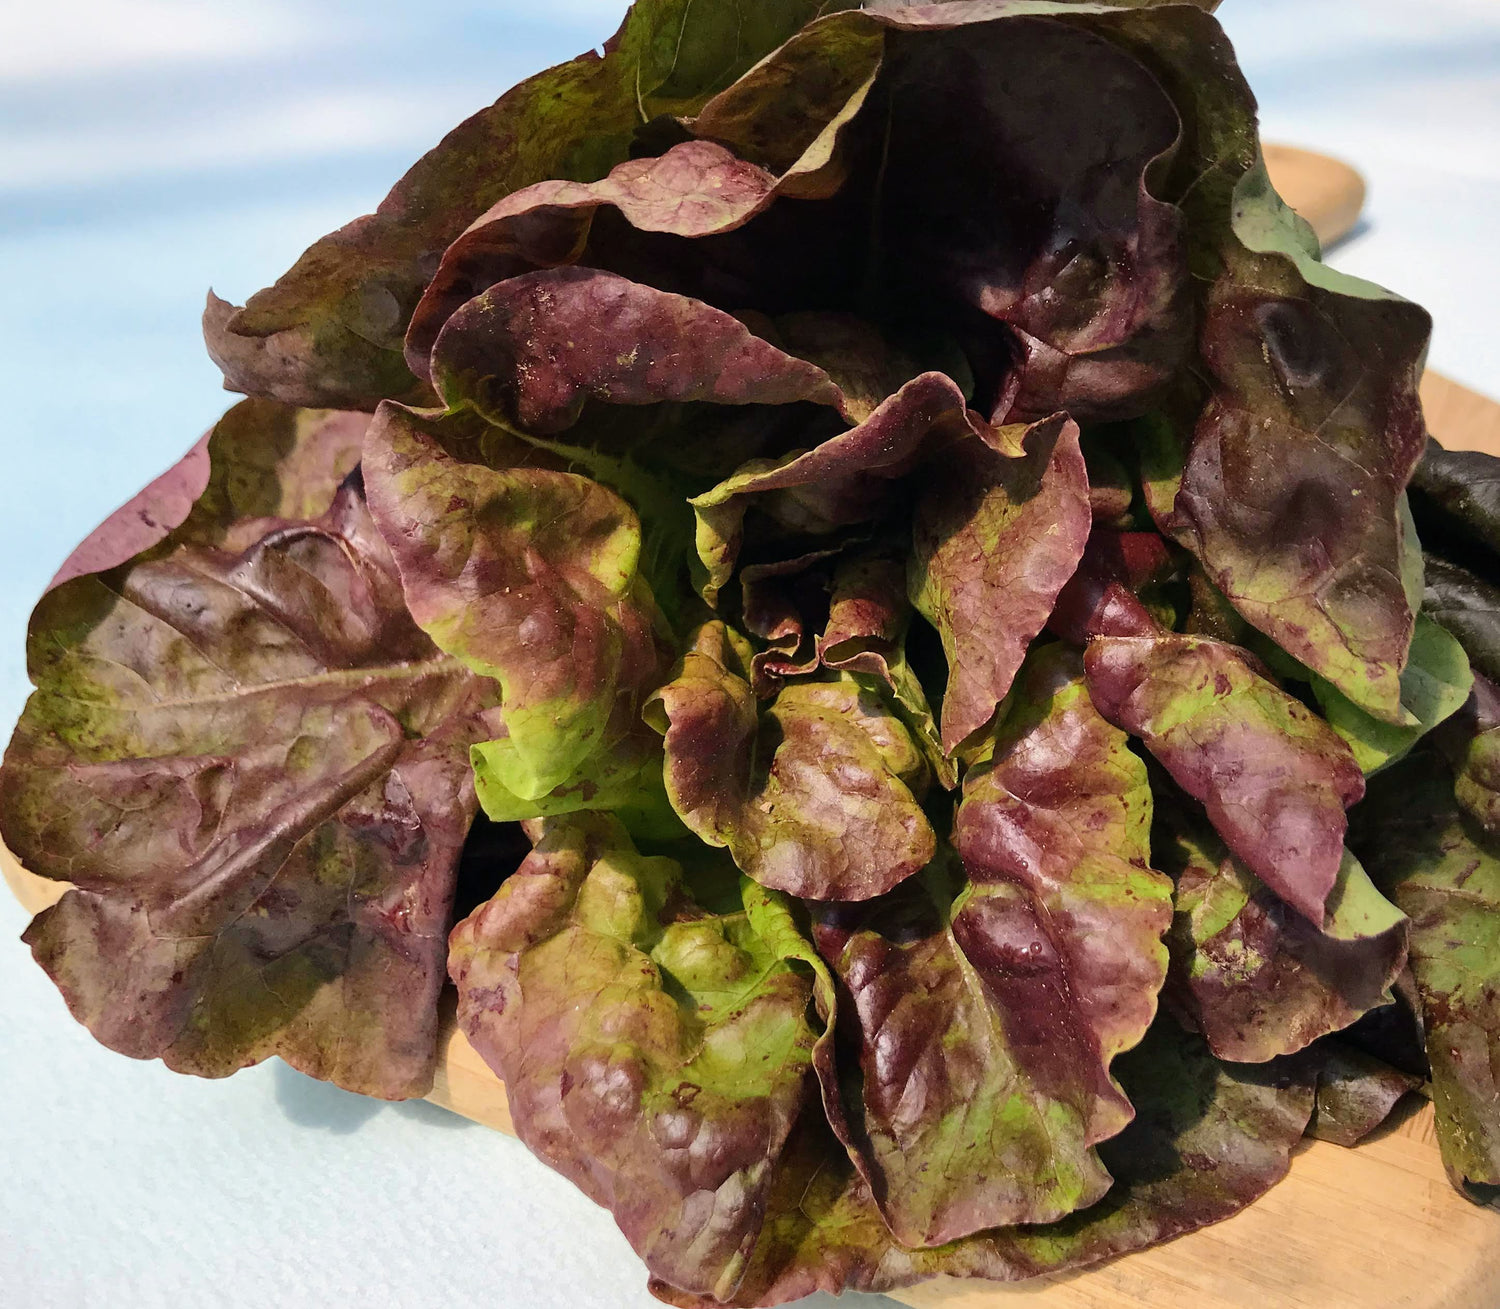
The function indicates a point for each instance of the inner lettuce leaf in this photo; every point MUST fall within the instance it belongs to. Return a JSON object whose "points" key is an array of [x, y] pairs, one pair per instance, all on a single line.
{"points": [[1255, 977], [853, 478], [655, 1051], [528, 575], [330, 332], [252, 767], [1445, 875], [816, 797], [1274, 778], [994, 541], [823, 1233]]}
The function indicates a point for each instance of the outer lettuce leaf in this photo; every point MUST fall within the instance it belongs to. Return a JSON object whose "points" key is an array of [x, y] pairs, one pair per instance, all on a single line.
{"points": [[823, 1232], [253, 768], [1257, 979], [330, 331], [1274, 778], [260, 461], [529, 575], [147, 517], [1434, 686], [816, 798], [1292, 492], [1471, 742], [1356, 1092], [1469, 607], [780, 111], [656, 1053], [1445, 875], [1455, 499], [994, 541]]}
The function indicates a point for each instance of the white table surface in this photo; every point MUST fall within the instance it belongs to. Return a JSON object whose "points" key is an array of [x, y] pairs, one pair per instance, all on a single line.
{"points": [[150, 148]]}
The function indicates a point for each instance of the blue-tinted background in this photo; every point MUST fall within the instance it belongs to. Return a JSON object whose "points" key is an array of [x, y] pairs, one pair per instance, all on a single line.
{"points": [[150, 149]]}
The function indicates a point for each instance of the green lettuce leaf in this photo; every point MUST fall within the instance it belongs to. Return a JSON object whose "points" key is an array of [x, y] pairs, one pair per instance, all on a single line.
{"points": [[1445, 876], [528, 575], [1255, 977], [815, 797], [1434, 686], [656, 1052], [823, 1232]]}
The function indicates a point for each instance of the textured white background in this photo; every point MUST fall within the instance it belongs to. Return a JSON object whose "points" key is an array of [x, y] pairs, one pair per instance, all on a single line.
{"points": [[150, 148]]}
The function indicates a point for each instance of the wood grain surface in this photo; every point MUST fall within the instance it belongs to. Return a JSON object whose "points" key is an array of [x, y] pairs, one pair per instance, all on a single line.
{"points": [[1377, 1227]]}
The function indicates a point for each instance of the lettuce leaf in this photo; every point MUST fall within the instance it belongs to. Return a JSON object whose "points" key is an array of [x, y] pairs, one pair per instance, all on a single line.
{"points": [[1445, 876], [656, 1052], [252, 767], [1275, 779]]}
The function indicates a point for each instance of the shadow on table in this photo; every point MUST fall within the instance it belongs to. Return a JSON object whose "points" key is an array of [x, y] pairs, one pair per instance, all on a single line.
{"points": [[308, 1102]]}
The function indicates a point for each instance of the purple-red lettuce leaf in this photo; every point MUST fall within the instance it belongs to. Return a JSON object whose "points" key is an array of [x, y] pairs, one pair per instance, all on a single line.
{"points": [[1468, 605], [1208, 1139], [1292, 494], [261, 460], [529, 575], [779, 604], [672, 219], [1274, 778], [858, 476], [968, 1084], [1140, 562], [1006, 200], [1455, 500], [1434, 686], [655, 1052], [1356, 1092], [252, 767], [1062, 810], [984, 1026], [1254, 976], [869, 616], [330, 332], [993, 542], [816, 796], [532, 349], [1443, 872]]}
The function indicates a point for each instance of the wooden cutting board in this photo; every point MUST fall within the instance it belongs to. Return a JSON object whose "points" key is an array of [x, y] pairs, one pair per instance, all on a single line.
{"points": [[1377, 1227]]}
